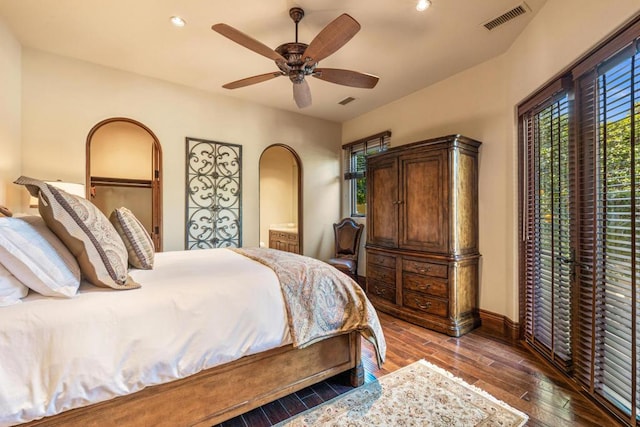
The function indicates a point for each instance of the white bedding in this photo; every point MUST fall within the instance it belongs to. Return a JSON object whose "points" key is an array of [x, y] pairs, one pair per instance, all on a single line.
{"points": [[195, 310]]}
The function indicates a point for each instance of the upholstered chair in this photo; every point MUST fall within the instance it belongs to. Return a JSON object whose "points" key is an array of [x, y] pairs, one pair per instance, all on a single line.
{"points": [[347, 235]]}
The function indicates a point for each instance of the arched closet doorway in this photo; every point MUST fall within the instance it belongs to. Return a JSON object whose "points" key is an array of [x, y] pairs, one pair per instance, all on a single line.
{"points": [[124, 168], [281, 199]]}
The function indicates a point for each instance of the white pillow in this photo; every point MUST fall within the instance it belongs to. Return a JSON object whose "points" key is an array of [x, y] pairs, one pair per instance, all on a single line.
{"points": [[11, 289], [36, 257]]}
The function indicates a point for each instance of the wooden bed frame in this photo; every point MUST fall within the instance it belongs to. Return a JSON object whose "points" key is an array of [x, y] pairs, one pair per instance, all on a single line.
{"points": [[225, 391]]}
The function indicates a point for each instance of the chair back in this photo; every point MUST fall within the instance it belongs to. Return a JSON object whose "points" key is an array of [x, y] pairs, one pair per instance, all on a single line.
{"points": [[347, 237]]}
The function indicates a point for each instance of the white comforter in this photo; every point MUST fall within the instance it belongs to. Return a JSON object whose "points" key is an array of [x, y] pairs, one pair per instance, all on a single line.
{"points": [[195, 310]]}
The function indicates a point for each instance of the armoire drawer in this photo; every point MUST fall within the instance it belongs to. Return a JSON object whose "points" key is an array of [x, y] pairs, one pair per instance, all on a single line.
{"points": [[425, 284], [428, 268], [381, 290], [384, 274], [381, 260], [425, 303]]}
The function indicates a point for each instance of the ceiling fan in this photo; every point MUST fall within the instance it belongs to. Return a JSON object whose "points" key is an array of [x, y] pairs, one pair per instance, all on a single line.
{"points": [[298, 60]]}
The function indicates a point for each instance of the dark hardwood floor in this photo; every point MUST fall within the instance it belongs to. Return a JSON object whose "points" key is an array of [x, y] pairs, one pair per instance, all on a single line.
{"points": [[506, 370]]}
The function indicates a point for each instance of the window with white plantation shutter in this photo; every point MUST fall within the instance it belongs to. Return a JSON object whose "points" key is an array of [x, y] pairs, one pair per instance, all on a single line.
{"points": [[355, 167]]}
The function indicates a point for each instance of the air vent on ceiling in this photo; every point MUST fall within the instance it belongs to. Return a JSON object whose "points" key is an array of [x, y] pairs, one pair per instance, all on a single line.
{"points": [[346, 100], [521, 9]]}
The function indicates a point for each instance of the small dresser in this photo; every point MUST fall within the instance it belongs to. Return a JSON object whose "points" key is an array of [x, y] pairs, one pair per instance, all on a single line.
{"points": [[422, 233], [284, 240]]}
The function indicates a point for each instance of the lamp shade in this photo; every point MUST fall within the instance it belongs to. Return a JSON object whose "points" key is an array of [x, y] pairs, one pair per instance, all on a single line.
{"points": [[69, 187]]}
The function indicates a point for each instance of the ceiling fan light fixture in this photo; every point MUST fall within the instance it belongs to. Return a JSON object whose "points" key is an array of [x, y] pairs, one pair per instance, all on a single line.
{"points": [[423, 5], [177, 21], [296, 76]]}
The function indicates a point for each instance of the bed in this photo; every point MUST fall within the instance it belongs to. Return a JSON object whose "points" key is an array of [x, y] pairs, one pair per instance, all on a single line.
{"points": [[200, 338]]}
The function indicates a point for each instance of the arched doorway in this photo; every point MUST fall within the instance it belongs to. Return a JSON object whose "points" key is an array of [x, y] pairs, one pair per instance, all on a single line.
{"points": [[124, 168], [281, 199]]}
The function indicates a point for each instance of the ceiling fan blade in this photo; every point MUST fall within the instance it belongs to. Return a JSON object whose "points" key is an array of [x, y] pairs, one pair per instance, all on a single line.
{"points": [[246, 41], [331, 38], [302, 94], [252, 80], [346, 77]]}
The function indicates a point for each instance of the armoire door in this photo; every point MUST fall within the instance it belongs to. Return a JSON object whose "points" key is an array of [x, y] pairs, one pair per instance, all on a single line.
{"points": [[424, 206], [382, 186]]}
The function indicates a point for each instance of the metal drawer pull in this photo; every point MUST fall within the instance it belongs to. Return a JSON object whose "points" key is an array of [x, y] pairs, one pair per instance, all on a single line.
{"points": [[422, 306], [424, 269], [378, 291], [424, 287]]}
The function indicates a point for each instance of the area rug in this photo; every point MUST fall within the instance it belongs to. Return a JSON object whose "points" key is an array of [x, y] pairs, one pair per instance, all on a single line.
{"points": [[420, 394]]}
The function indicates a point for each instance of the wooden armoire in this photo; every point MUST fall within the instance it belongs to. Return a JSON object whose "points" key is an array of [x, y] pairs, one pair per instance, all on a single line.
{"points": [[422, 233]]}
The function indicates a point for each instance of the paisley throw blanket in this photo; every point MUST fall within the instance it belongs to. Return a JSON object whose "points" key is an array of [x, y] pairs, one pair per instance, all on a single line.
{"points": [[321, 301]]}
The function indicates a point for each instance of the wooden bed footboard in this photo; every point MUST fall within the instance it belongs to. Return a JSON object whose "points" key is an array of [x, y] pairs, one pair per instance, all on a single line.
{"points": [[225, 391]]}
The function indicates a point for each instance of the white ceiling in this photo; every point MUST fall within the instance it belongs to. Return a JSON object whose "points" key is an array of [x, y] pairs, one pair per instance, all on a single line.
{"points": [[407, 49]]}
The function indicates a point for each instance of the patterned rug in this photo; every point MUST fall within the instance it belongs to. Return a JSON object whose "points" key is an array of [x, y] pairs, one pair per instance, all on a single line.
{"points": [[420, 394]]}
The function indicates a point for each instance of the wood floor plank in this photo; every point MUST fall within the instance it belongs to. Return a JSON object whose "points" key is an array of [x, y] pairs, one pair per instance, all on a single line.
{"points": [[275, 412], [324, 390], [312, 400], [292, 404], [504, 373], [536, 379], [256, 418], [536, 410]]}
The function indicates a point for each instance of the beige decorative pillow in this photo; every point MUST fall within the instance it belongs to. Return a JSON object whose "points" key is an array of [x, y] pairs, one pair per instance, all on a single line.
{"points": [[135, 237], [86, 232], [36, 257]]}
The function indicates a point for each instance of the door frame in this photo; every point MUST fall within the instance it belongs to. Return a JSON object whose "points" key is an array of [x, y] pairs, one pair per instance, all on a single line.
{"points": [[300, 192], [156, 193]]}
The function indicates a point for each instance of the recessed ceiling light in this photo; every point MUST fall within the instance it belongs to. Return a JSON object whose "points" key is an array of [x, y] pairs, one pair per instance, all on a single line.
{"points": [[177, 21], [423, 5]]}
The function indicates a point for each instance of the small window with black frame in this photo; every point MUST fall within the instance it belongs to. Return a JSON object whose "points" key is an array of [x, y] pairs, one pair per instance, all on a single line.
{"points": [[355, 168]]}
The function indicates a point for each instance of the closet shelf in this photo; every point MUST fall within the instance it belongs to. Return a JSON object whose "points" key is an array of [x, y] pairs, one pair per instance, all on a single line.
{"points": [[101, 181]]}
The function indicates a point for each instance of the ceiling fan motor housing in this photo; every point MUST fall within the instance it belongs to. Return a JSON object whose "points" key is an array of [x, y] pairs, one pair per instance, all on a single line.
{"points": [[295, 66]]}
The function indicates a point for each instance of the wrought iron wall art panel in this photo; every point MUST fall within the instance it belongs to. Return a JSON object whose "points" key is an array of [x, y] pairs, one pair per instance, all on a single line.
{"points": [[213, 194]]}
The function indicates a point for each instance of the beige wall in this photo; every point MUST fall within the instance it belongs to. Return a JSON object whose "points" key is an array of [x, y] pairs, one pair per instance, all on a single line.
{"points": [[480, 103], [10, 145], [64, 98]]}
